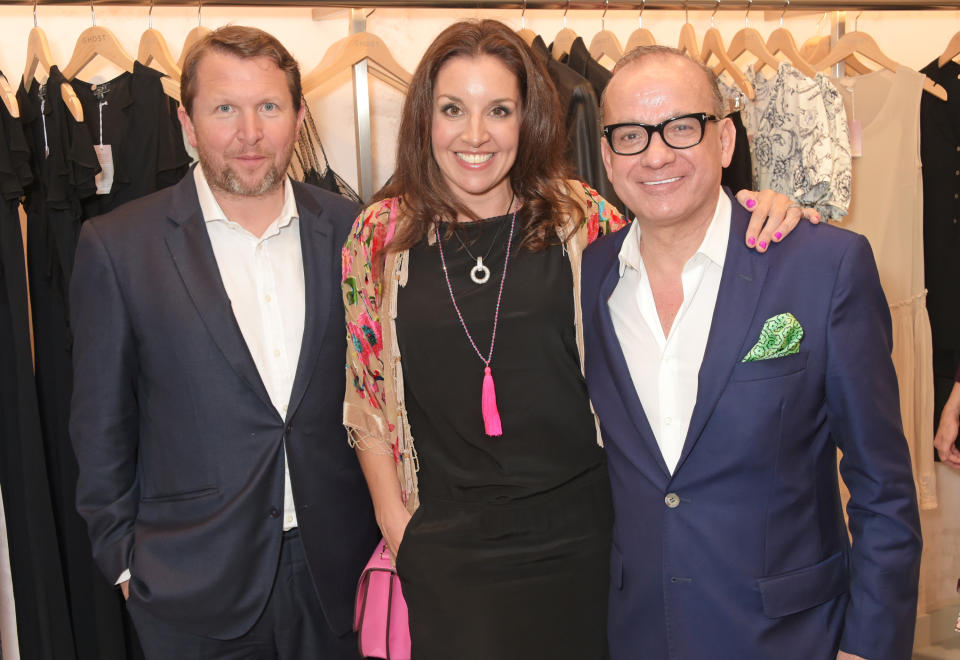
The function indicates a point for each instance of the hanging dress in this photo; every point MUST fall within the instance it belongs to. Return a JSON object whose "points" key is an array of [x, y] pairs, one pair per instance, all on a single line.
{"points": [[887, 207]]}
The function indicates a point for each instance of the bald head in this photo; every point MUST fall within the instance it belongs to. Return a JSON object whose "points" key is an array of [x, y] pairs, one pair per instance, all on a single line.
{"points": [[661, 184], [671, 57]]}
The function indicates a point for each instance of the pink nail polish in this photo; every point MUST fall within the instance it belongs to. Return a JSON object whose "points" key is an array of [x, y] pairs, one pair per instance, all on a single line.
{"points": [[778, 235], [751, 203], [763, 245], [751, 241]]}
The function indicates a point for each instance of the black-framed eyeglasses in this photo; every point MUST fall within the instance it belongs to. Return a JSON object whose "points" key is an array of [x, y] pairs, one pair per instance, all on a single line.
{"points": [[680, 132]]}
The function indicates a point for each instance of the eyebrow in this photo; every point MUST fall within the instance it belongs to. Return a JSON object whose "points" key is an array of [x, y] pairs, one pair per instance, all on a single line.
{"points": [[451, 97]]}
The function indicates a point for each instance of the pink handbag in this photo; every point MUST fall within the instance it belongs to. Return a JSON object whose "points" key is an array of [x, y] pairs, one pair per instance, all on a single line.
{"points": [[380, 613]]}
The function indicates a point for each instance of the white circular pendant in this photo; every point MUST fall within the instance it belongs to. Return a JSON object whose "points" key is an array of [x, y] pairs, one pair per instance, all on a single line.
{"points": [[479, 273]]}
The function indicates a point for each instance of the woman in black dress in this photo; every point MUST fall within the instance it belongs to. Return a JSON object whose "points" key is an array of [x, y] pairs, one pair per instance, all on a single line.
{"points": [[467, 266]]}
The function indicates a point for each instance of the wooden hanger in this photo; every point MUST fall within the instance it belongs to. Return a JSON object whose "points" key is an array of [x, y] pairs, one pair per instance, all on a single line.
{"points": [[564, 39], [713, 45], [96, 41], [863, 44], [9, 97], [951, 51], [781, 41], [38, 54], [688, 38], [193, 36], [153, 48], [605, 42], [524, 32], [748, 40], [816, 48], [641, 36], [355, 48]]}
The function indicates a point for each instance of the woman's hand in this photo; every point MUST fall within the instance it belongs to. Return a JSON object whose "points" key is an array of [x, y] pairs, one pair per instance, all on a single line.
{"points": [[774, 216], [393, 527], [946, 435]]}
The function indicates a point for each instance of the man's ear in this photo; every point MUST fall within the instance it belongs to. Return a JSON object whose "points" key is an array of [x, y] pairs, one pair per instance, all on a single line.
{"points": [[728, 138], [187, 126], [606, 153], [301, 114]]}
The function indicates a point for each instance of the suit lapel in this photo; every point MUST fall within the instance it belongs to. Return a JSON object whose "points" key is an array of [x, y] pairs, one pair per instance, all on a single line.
{"points": [[319, 252], [744, 271], [643, 459], [192, 253]]}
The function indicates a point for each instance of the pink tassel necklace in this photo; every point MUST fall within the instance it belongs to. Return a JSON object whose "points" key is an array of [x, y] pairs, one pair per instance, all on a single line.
{"points": [[488, 398]]}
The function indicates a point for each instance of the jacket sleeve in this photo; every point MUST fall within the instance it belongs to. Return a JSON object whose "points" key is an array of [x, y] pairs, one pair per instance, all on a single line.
{"points": [[864, 412], [104, 416], [364, 407]]}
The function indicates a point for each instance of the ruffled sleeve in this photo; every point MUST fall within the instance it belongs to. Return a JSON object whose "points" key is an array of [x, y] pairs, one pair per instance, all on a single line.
{"points": [[364, 409]]}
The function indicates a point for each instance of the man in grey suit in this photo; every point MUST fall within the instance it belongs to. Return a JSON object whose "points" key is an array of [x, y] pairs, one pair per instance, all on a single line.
{"points": [[215, 476]]}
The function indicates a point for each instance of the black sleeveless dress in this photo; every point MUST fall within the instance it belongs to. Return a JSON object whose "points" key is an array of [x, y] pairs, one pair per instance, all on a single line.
{"points": [[508, 555]]}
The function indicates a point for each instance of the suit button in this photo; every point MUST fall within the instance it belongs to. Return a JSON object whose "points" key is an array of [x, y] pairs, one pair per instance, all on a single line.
{"points": [[672, 500], [274, 512]]}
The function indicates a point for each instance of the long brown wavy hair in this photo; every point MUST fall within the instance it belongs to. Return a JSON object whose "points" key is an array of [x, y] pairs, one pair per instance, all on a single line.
{"points": [[537, 176]]}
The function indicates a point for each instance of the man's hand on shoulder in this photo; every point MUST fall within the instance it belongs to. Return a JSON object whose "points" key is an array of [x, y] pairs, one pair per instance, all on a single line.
{"points": [[843, 655]]}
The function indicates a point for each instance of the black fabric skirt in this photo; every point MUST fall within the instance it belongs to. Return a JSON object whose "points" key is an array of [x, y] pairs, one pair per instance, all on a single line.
{"points": [[525, 579]]}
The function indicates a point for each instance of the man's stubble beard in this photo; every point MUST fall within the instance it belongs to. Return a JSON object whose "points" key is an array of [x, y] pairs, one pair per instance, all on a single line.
{"points": [[226, 178]]}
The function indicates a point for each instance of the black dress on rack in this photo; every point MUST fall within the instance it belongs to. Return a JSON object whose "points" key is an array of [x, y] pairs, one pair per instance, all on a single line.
{"points": [[139, 124], [940, 155], [43, 621], [508, 555]]}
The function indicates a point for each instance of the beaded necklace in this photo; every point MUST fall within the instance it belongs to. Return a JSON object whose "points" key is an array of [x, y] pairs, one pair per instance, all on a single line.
{"points": [[488, 398]]}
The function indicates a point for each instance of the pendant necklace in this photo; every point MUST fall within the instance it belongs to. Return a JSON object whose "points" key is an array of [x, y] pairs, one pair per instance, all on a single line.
{"points": [[488, 397], [480, 273]]}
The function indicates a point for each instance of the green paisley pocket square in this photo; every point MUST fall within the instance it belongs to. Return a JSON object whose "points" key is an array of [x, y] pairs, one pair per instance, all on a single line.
{"points": [[780, 336]]}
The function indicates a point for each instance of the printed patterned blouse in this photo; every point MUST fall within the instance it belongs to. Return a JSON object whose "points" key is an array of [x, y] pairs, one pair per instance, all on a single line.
{"points": [[374, 411], [799, 142]]}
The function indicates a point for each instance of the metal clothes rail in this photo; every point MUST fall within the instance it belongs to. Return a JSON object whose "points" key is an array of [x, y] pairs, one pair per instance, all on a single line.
{"points": [[738, 5]]}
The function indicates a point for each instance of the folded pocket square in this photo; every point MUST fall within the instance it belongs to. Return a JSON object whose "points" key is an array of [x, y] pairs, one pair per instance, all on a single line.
{"points": [[780, 336]]}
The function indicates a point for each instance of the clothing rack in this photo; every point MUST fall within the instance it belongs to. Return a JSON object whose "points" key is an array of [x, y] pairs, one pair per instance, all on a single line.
{"points": [[711, 5]]}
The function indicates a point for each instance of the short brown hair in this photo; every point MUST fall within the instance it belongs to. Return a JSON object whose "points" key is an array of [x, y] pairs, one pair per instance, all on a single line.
{"points": [[539, 169], [635, 55], [244, 42]]}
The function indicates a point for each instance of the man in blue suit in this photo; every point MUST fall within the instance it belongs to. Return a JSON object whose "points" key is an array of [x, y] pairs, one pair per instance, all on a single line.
{"points": [[725, 381]]}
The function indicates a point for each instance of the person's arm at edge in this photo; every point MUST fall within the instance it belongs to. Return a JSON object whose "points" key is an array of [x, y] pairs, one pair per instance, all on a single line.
{"points": [[946, 436]]}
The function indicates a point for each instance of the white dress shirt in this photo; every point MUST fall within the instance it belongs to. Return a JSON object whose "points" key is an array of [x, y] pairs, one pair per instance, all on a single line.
{"points": [[264, 282], [665, 369]]}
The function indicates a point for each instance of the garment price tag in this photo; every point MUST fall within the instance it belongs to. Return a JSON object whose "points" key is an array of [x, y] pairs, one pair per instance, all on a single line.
{"points": [[104, 179], [855, 128]]}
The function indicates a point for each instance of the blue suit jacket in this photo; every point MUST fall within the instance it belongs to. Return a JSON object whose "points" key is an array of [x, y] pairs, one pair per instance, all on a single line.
{"points": [[179, 447], [754, 562]]}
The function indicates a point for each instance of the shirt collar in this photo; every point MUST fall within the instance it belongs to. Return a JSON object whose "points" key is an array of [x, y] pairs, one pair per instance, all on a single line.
{"points": [[212, 212], [713, 246]]}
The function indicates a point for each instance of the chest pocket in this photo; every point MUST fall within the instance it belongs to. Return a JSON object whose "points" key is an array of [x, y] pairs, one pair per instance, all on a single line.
{"points": [[770, 368]]}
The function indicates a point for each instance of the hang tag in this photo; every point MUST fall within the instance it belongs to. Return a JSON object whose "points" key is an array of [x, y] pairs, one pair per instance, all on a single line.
{"points": [[855, 128], [104, 179]]}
